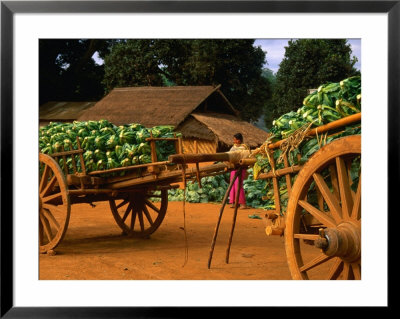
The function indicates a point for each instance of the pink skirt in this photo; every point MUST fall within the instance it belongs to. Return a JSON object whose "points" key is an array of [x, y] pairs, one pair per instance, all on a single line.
{"points": [[237, 188]]}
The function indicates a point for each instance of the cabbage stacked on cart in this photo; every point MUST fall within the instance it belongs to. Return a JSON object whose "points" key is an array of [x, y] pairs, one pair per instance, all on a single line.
{"points": [[105, 145]]}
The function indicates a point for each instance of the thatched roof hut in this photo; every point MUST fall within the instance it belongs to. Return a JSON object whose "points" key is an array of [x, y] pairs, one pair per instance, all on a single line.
{"points": [[62, 111], [219, 129], [152, 106], [201, 113]]}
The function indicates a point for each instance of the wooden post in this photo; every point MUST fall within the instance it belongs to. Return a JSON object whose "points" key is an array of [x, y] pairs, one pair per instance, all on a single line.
{"points": [[196, 150], [153, 169], [64, 161], [81, 156], [288, 176], [276, 186]]}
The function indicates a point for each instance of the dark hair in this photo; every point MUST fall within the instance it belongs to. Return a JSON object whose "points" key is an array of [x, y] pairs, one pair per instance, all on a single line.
{"points": [[238, 136]]}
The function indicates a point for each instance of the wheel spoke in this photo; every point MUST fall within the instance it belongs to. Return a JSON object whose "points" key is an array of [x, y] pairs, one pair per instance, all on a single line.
{"points": [[356, 213], [336, 269], [49, 186], [344, 185], [356, 271], [122, 203], [150, 204], [148, 216], [330, 199], [334, 180], [46, 227], [347, 272], [353, 194], [322, 258], [51, 197], [140, 215], [45, 176], [49, 216], [321, 216], [133, 219], [128, 209]]}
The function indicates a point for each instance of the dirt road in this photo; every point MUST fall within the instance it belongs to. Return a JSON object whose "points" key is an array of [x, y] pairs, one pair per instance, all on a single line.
{"points": [[94, 248]]}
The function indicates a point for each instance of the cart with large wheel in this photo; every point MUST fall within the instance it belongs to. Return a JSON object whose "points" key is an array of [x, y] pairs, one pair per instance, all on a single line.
{"points": [[322, 220], [137, 195]]}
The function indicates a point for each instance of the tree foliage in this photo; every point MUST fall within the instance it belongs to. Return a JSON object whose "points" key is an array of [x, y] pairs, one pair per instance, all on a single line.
{"points": [[307, 64], [235, 64], [67, 70]]}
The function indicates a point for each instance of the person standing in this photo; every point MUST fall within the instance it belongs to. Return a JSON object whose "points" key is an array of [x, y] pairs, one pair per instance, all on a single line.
{"points": [[238, 145]]}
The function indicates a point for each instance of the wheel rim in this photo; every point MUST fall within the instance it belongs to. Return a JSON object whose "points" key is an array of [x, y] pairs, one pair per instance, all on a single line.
{"points": [[323, 222], [54, 204], [139, 214]]}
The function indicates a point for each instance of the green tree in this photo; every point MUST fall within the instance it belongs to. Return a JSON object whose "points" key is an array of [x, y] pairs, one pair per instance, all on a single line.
{"points": [[132, 63], [235, 64], [307, 64], [67, 70]]}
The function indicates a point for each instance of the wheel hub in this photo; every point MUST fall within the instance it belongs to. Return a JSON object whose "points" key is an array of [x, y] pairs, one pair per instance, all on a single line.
{"points": [[344, 241]]}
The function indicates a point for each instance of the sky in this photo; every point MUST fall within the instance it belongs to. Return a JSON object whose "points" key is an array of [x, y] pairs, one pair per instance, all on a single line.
{"points": [[275, 49]]}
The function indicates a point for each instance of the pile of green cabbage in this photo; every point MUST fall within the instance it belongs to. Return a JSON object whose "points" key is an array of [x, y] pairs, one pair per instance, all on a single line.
{"points": [[105, 145]]}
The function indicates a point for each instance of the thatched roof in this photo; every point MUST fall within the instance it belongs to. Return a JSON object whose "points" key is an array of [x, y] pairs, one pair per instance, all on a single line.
{"points": [[63, 111], [221, 128], [152, 106]]}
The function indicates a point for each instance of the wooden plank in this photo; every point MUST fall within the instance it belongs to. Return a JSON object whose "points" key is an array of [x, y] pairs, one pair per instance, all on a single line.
{"points": [[88, 180], [281, 172], [66, 153], [287, 176], [167, 176], [127, 168]]}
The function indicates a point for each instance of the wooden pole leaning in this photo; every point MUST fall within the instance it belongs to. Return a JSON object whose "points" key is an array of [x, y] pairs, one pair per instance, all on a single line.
{"points": [[220, 216], [234, 214]]}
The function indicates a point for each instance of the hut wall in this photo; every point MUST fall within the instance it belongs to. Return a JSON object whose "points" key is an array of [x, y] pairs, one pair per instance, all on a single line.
{"points": [[203, 146]]}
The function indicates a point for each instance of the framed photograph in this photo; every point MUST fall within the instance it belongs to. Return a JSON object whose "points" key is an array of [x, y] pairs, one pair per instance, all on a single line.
{"points": [[373, 25]]}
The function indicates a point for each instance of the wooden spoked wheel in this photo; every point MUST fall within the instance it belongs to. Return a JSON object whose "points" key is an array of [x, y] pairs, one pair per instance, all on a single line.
{"points": [[141, 212], [323, 222], [54, 204]]}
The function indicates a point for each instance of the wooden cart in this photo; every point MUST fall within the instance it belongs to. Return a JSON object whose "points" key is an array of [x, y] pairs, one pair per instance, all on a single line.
{"points": [[322, 223], [138, 195]]}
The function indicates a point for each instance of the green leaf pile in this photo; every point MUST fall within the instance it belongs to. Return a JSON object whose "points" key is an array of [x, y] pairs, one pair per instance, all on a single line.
{"points": [[330, 102], [213, 190], [105, 145]]}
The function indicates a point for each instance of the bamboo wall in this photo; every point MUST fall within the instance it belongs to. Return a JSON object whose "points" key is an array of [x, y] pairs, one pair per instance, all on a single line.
{"points": [[203, 146]]}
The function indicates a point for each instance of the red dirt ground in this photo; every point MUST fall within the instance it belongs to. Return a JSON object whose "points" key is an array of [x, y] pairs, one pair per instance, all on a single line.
{"points": [[94, 249]]}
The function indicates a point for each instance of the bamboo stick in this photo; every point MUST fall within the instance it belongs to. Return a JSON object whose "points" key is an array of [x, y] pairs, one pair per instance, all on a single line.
{"points": [[234, 216], [280, 172], [220, 216]]}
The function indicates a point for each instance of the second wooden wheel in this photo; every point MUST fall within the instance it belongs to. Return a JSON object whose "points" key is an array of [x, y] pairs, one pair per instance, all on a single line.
{"points": [[323, 222], [140, 213]]}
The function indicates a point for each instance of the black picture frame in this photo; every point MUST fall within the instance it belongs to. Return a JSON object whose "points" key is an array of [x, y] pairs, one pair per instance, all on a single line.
{"points": [[9, 8]]}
